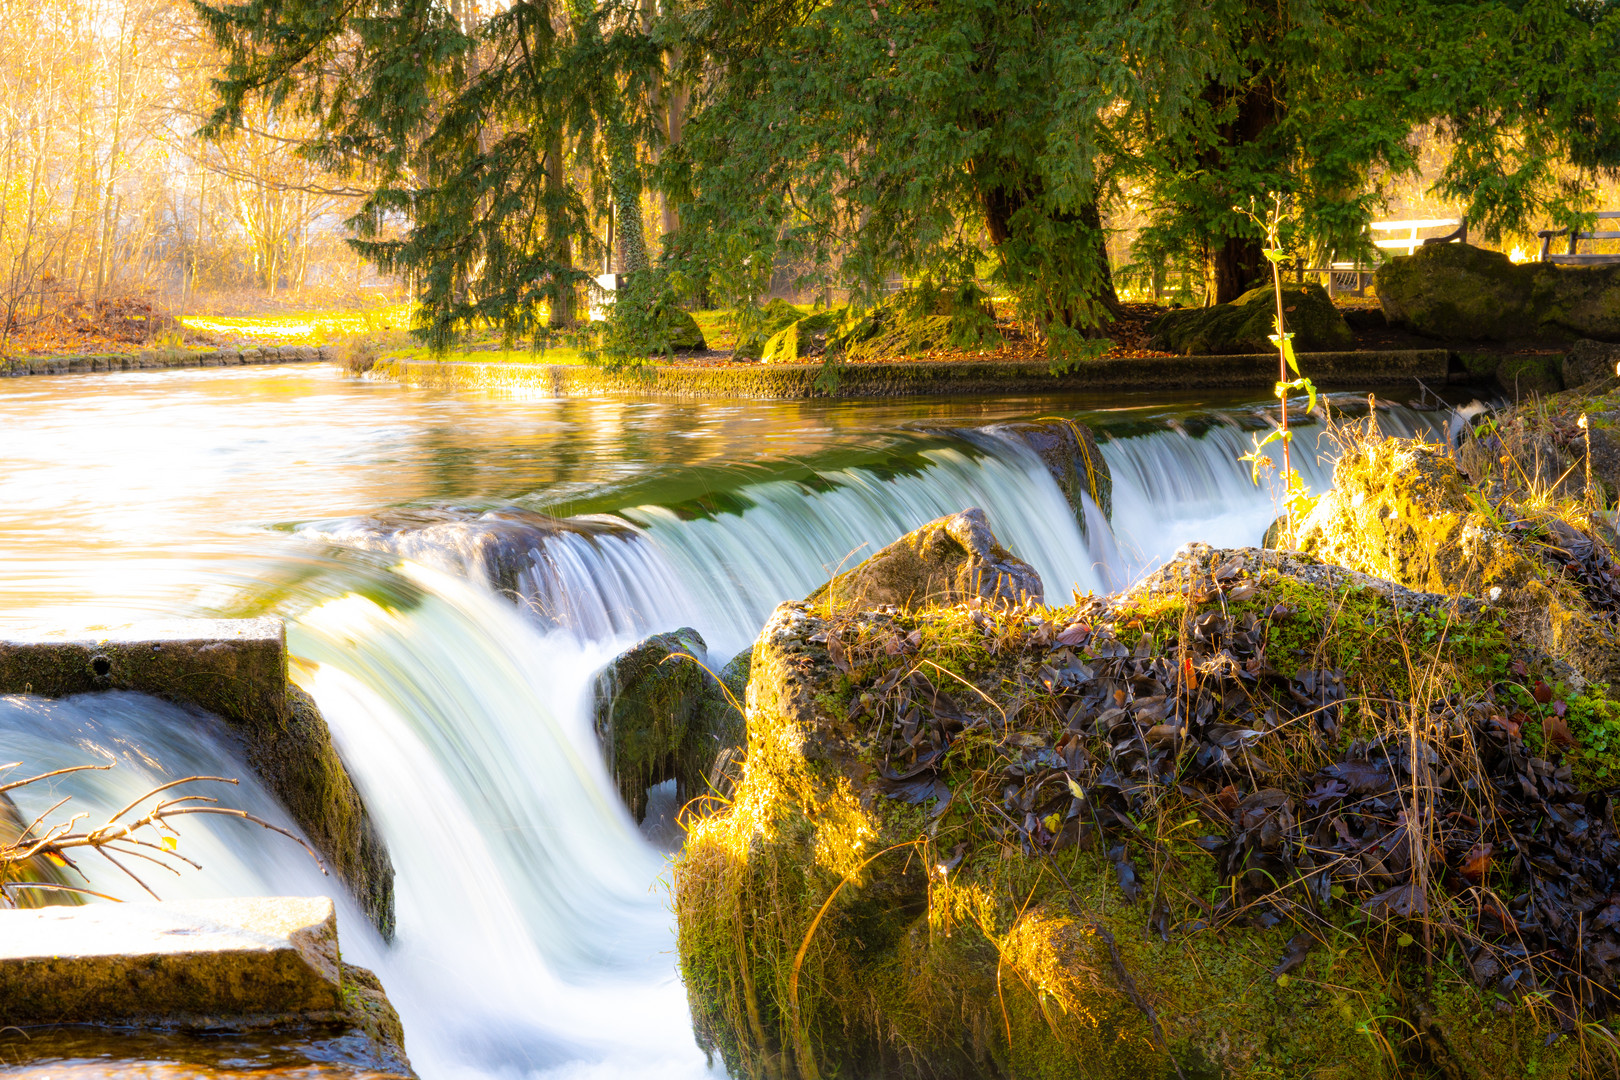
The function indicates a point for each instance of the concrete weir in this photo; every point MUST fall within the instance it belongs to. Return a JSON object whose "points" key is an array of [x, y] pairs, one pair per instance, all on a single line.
{"points": [[225, 966], [237, 670], [197, 961]]}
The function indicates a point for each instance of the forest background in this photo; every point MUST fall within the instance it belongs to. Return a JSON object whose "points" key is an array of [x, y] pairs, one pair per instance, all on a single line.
{"points": [[490, 158]]}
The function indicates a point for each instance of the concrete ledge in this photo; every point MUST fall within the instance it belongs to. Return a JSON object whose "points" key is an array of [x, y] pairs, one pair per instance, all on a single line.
{"points": [[1336, 370], [261, 960], [234, 668], [237, 670], [157, 359]]}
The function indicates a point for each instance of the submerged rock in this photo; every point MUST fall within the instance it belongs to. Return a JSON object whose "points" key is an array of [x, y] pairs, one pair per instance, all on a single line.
{"points": [[660, 716], [1070, 453], [1247, 324], [948, 560], [1157, 834], [1460, 292], [509, 547], [1402, 510]]}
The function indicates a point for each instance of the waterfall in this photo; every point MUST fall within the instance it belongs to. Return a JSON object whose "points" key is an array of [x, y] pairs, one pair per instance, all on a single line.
{"points": [[533, 936], [531, 930]]}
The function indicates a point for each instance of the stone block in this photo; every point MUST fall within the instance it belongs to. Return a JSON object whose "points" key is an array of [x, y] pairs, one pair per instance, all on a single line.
{"points": [[235, 668], [186, 961]]}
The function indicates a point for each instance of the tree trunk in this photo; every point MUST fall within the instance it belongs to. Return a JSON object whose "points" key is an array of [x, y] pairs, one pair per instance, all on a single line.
{"points": [[1000, 203], [1234, 264], [559, 247]]}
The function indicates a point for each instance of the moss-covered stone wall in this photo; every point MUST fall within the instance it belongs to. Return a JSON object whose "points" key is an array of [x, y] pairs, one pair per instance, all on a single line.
{"points": [[1346, 370]]}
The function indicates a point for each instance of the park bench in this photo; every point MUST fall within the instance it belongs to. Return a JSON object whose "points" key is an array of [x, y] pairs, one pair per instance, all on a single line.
{"points": [[1353, 277], [1580, 258]]}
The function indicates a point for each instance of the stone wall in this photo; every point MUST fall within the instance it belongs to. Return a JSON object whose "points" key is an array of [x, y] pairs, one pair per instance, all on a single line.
{"points": [[225, 357]]}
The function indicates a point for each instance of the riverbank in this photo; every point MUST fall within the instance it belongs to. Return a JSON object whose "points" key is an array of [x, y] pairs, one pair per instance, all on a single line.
{"points": [[1335, 370], [229, 356]]}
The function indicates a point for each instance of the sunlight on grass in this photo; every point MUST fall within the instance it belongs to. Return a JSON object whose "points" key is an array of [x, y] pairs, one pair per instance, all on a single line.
{"points": [[302, 327]]}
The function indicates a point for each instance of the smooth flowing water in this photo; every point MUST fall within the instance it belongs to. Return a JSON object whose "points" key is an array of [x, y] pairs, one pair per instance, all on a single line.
{"points": [[535, 936]]}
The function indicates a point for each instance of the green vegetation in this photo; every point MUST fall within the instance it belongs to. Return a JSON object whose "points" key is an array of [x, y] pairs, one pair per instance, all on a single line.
{"points": [[844, 144]]}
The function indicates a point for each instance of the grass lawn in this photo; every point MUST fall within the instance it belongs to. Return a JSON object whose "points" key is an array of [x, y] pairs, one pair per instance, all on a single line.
{"points": [[302, 327]]}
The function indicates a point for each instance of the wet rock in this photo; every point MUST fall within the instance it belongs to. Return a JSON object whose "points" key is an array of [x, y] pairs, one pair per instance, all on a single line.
{"points": [[938, 853], [1589, 362], [660, 716], [1463, 293], [947, 561], [1247, 323], [1402, 510], [722, 719], [1070, 452]]}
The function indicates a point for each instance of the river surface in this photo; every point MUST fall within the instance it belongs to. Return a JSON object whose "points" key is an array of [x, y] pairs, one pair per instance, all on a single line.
{"points": [[535, 936]]}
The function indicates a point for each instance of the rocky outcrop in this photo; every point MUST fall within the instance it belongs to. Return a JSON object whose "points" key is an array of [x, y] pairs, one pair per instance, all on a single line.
{"points": [[949, 560], [1462, 293], [1403, 511], [237, 670], [1130, 839], [660, 716], [1247, 324], [801, 339]]}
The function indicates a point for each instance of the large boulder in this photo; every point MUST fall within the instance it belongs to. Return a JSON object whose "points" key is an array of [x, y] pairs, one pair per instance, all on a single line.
{"points": [[947, 561], [660, 716], [680, 330], [1462, 293], [1153, 835], [1402, 510], [1247, 324]]}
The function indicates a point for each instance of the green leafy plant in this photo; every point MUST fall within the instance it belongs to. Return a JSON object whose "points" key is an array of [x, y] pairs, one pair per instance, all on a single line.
{"points": [[1297, 500]]}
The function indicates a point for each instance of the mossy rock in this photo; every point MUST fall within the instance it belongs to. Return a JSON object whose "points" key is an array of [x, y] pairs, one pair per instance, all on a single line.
{"points": [[1404, 511], [681, 330], [659, 716], [801, 339], [1462, 293], [1247, 324], [773, 316], [951, 559], [994, 911]]}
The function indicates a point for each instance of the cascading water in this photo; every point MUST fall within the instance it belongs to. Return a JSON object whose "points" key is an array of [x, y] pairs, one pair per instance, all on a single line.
{"points": [[532, 937]]}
